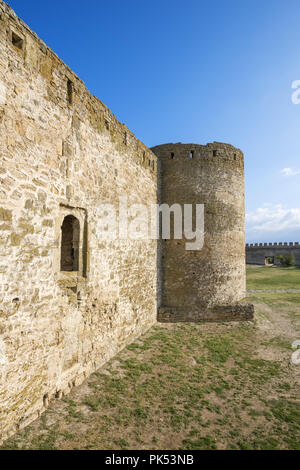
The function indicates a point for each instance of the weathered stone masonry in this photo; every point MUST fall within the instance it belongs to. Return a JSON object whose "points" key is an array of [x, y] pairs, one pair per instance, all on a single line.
{"points": [[257, 253], [208, 284], [63, 153], [70, 300]]}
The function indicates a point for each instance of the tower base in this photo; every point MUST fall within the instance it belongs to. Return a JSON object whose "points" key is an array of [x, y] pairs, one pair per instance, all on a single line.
{"points": [[221, 313]]}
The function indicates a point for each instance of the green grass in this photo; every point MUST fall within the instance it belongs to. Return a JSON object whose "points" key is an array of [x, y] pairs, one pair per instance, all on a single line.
{"points": [[190, 386], [277, 277]]}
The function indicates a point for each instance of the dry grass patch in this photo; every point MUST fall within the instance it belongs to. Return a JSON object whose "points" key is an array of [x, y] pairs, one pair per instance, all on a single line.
{"points": [[187, 386]]}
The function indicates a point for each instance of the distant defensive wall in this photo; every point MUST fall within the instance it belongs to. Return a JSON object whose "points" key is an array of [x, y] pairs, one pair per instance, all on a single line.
{"points": [[260, 253]]}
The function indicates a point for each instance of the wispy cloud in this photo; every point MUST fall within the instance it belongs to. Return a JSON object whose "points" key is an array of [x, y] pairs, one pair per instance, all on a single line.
{"points": [[290, 172], [272, 220]]}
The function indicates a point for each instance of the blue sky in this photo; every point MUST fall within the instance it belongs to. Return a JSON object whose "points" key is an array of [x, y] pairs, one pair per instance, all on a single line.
{"points": [[195, 71]]}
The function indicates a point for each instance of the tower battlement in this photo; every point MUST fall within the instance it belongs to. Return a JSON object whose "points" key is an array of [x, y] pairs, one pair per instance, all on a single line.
{"points": [[259, 253], [218, 152]]}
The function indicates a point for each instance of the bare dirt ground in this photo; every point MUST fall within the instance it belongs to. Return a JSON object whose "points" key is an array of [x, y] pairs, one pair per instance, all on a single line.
{"points": [[189, 386]]}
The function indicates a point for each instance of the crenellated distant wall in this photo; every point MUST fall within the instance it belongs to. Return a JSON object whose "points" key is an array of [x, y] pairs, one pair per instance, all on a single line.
{"points": [[256, 253]]}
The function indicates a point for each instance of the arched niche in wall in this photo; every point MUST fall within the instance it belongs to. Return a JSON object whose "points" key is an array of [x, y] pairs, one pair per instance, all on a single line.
{"points": [[70, 244]]}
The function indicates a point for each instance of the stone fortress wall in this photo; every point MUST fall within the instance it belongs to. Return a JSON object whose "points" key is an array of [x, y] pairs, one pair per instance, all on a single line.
{"points": [[62, 153], [69, 299], [257, 253]]}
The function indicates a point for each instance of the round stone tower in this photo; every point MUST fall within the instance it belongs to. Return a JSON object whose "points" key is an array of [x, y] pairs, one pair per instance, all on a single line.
{"points": [[206, 284]]}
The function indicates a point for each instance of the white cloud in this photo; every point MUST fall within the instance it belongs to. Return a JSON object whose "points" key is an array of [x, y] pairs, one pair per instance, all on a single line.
{"points": [[290, 172], [273, 218]]}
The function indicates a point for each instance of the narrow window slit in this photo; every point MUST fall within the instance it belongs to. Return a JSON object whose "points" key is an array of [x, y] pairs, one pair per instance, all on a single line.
{"points": [[70, 92], [70, 229], [17, 41]]}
